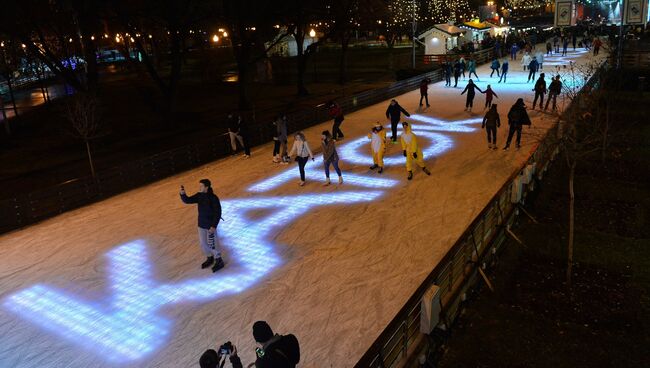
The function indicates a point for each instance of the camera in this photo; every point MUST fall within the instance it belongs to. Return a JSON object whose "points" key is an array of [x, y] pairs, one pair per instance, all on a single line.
{"points": [[225, 349]]}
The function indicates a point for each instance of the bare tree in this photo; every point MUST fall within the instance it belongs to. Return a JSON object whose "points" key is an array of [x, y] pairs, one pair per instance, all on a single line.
{"points": [[82, 113]]}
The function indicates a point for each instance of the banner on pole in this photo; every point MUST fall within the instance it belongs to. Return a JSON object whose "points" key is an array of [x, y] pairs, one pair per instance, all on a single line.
{"points": [[636, 12], [565, 13]]}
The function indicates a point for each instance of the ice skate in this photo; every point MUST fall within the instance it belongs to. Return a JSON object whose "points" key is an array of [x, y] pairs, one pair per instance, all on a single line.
{"points": [[426, 171], [340, 180], [276, 159], [518, 146], [506, 148], [410, 175], [381, 170], [218, 265], [208, 262], [374, 167], [327, 182], [301, 183]]}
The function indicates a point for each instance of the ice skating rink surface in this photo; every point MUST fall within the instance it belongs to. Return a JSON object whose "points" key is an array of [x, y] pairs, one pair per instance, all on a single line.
{"points": [[118, 283]]}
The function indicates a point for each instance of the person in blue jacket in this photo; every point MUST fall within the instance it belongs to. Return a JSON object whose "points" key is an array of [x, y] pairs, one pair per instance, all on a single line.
{"points": [[209, 216]]}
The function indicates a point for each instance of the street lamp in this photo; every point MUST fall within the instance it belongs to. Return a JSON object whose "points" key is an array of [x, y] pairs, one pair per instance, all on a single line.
{"points": [[312, 33], [215, 38]]}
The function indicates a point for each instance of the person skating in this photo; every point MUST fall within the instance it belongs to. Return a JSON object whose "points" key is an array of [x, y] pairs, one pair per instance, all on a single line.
{"points": [[574, 39], [377, 138], [489, 94], [236, 133], [471, 67], [513, 51], [336, 112], [517, 118], [597, 44], [280, 139], [448, 72], [532, 69], [209, 216], [540, 59], [525, 60], [394, 112], [470, 89], [549, 49], [412, 150], [303, 154], [540, 91], [495, 67], [330, 157], [565, 45], [554, 90], [424, 90], [463, 66], [556, 44], [491, 121], [457, 70], [504, 71]]}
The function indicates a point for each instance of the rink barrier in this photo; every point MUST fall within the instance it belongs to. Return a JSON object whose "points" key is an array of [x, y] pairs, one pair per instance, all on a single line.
{"points": [[477, 247], [29, 208]]}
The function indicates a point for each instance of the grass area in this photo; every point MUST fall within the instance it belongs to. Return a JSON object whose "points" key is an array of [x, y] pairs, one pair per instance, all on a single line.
{"points": [[532, 319]]}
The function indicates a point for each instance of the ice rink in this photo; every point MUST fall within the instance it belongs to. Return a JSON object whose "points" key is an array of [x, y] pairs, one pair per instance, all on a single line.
{"points": [[118, 283]]}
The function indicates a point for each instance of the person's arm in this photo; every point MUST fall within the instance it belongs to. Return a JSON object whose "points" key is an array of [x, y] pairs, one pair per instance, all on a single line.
{"points": [[216, 211], [495, 95], [387, 111], [311, 155], [404, 111], [294, 148], [188, 199], [465, 90]]}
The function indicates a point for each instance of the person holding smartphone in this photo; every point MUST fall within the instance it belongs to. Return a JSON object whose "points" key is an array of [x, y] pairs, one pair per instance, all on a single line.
{"points": [[213, 359], [209, 215]]}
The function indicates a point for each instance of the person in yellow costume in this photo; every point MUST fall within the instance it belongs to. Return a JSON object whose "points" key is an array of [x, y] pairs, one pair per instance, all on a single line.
{"points": [[377, 147], [412, 151]]}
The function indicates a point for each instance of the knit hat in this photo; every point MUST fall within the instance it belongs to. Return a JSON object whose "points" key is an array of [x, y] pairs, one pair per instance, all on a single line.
{"points": [[209, 359], [262, 332]]}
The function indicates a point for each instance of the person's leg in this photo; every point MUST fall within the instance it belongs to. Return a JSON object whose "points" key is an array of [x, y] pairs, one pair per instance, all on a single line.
{"points": [[535, 99], [393, 129], [203, 241], [276, 148], [497, 70], [470, 101], [426, 98], [421, 97], [409, 161], [375, 159], [233, 141], [505, 77], [244, 143], [494, 135], [302, 161], [511, 132], [547, 101], [554, 101], [487, 103], [491, 73], [541, 99], [380, 159], [336, 167], [489, 138], [326, 165], [467, 99], [455, 80], [519, 128], [284, 148]]}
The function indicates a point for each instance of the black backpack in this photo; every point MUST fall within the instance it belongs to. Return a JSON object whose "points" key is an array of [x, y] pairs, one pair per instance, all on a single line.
{"points": [[291, 349]]}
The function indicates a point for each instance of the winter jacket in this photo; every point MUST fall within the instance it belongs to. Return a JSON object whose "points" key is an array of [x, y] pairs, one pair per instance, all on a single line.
{"points": [[335, 111], [504, 67], [555, 87], [424, 86], [540, 85], [540, 57], [471, 66], [209, 208], [329, 151], [533, 65], [409, 141], [278, 353], [495, 64], [301, 149], [395, 111], [457, 69], [489, 93], [517, 116], [233, 124], [491, 119], [470, 89], [525, 60], [281, 130]]}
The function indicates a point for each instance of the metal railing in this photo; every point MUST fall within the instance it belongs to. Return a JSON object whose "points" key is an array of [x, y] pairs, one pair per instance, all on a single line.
{"points": [[458, 269], [481, 57]]}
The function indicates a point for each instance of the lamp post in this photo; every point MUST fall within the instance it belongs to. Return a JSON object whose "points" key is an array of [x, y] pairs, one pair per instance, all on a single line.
{"points": [[413, 34], [619, 56]]}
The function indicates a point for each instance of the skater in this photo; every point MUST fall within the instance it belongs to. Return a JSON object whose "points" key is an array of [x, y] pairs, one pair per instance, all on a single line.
{"points": [[495, 67], [554, 90], [540, 91], [489, 93], [236, 133], [470, 89], [549, 49], [335, 111], [556, 44], [209, 215], [540, 59], [330, 157], [471, 67], [424, 93], [525, 60], [597, 44], [394, 112], [517, 117], [280, 139], [412, 151], [504, 71], [457, 70], [491, 122], [532, 69], [463, 66], [565, 45], [448, 71], [377, 147], [303, 154], [574, 39], [513, 51]]}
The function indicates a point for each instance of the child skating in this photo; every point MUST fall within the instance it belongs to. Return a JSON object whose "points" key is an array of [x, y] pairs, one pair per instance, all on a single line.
{"points": [[412, 151], [377, 147]]}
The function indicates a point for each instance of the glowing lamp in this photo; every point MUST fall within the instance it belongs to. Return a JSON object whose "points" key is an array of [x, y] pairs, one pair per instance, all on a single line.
{"points": [[312, 33]]}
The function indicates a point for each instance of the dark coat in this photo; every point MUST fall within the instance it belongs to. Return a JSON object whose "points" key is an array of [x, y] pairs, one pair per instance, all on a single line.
{"points": [[276, 354], [395, 111], [209, 208], [518, 116], [491, 119], [533, 65], [470, 89], [540, 85]]}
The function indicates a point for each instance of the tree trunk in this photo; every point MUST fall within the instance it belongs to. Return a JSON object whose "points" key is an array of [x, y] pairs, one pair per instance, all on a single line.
{"points": [[299, 35], [90, 159], [345, 41], [572, 170]]}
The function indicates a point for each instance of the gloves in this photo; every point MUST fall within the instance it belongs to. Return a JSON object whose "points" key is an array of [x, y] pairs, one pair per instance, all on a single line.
{"points": [[415, 155], [404, 153]]}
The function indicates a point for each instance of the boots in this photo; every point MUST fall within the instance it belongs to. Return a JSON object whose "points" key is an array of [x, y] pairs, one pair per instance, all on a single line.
{"points": [[208, 262], [218, 265], [374, 167], [410, 175], [327, 182], [381, 170], [426, 171]]}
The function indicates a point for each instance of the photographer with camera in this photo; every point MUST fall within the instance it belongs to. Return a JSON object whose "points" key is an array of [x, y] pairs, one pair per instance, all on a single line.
{"points": [[276, 351], [213, 359]]}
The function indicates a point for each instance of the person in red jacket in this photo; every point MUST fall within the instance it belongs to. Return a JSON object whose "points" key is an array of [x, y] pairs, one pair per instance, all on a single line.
{"points": [[489, 93], [424, 90], [336, 112]]}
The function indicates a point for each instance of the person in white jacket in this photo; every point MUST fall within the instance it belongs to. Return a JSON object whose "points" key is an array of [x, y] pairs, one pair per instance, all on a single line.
{"points": [[540, 59], [525, 60], [303, 154]]}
